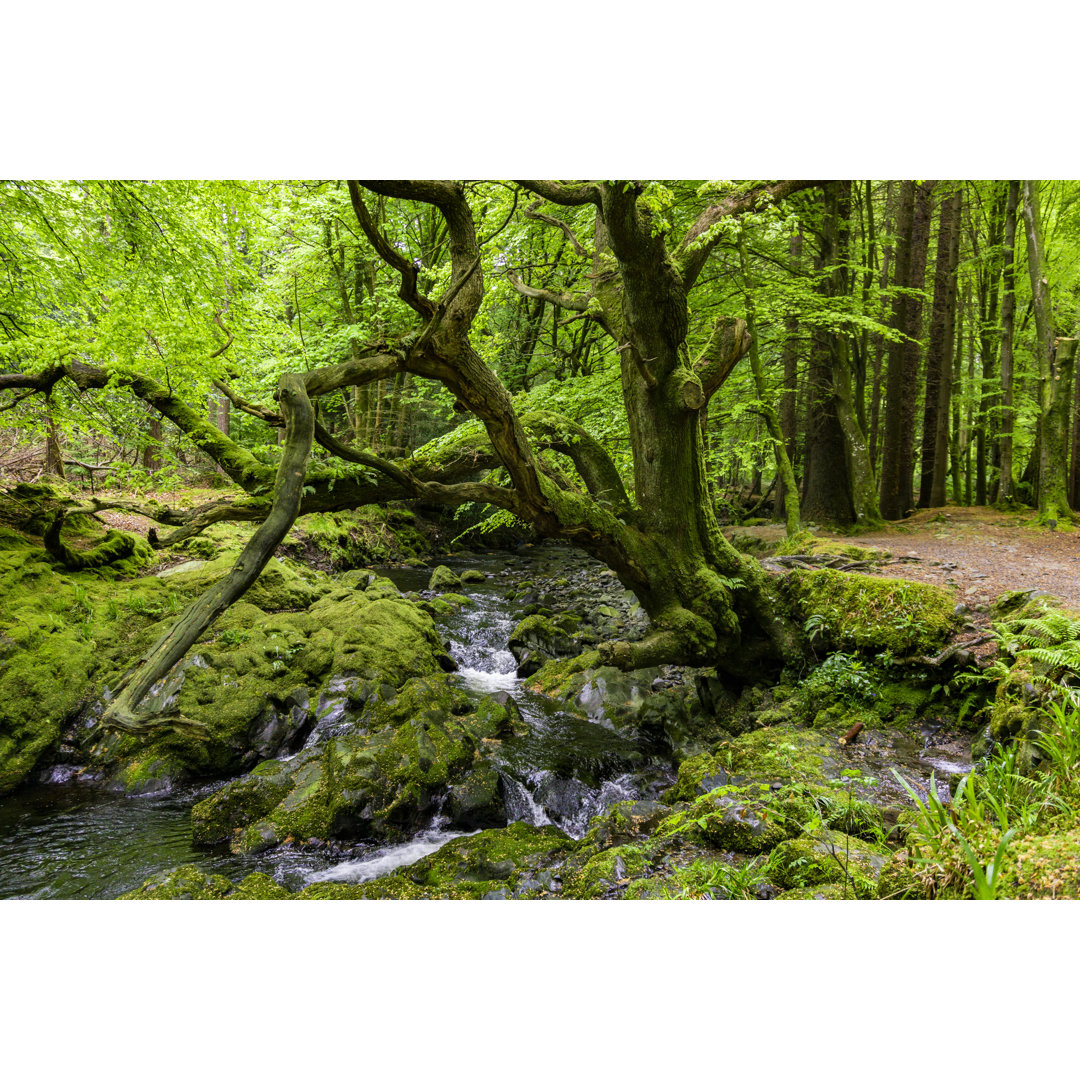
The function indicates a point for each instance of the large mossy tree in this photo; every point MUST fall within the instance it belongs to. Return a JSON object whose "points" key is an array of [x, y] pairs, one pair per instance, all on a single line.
{"points": [[708, 604]]}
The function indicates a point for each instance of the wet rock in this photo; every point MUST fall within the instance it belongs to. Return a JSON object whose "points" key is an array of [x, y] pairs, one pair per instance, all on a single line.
{"points": [[443, 578], [537, 639], [829, 858], [472, 577]]}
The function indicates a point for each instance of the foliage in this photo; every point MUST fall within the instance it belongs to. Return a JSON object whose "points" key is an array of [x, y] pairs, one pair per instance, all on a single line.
{"points": [[841, 677]]}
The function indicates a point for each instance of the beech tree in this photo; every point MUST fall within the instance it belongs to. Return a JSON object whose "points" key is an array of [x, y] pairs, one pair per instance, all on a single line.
{"points": [[708, 604]]}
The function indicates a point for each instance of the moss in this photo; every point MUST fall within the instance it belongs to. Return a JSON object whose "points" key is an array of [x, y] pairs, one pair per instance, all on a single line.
{"points": [[805, 543], [442, 577], [455, 601], [606, 871], [553, 678], [817, 892], [747, 819], [829, 858], [854, 611], [783, 752], [494, 855], [149, 772], [282, 586], [1044, 867], [898, 879], [259, 887], [428, 745], [184, 883]]}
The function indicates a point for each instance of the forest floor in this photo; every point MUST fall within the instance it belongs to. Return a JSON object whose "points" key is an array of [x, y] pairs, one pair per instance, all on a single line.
{"points": [[979, 551]]}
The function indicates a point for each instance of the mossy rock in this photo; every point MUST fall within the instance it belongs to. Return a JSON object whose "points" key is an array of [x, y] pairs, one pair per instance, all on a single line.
{"points": [[282, 586], [607, 872], [473, 577], [442, 578], [784, 753], [747, 820], [536, 640], [626, 822], [853, 611], [494, 855], [899, 880], [428, 745], [183, 883], [553, 679], [829, 858]]}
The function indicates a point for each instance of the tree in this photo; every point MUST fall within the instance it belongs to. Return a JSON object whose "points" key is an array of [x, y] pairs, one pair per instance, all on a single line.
{"points": [[1056, 357], [707, 603]]}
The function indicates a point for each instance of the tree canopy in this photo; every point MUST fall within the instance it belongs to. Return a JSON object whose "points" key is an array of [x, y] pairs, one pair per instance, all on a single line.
{"points": [[566, 353]]}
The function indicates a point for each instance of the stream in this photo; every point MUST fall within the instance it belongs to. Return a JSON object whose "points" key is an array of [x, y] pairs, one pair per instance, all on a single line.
{"points": [[63, 838]]}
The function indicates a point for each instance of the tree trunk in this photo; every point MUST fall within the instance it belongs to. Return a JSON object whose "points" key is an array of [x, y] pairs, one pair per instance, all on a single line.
{"points": [[791, 384], [1008, 317], [912, 238], [772, 421], [920, 243], [54, 454], [1055, 357], [939, 357], [123, 712]]}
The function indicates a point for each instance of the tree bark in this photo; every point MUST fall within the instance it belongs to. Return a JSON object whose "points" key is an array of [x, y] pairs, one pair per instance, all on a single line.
{"points": [[1008, 316], [939, 357], [1055, 357], [892, 492], [299, 416]]}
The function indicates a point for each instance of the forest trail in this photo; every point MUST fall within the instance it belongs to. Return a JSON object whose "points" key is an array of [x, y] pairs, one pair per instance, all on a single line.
{"points": [[978, 551], [981, 552]]}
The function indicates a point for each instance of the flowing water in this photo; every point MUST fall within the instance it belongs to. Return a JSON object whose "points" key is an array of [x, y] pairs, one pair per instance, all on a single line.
{"points": [[67, 838]]}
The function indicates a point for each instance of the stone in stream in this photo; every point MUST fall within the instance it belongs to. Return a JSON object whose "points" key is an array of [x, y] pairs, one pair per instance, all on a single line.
{"points": [[443, 578]]}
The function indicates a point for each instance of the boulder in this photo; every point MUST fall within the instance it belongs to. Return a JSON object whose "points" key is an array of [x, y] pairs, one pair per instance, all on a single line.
{"points": [[443, 578]]}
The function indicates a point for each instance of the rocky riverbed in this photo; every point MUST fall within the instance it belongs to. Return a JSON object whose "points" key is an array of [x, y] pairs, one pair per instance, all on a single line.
{"points": [[530, 770]]}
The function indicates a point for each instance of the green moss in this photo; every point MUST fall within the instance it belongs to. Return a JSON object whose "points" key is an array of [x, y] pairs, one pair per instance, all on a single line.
{"points": [[853, 611], [184, 883], [1044, 867], [607, 871], [744, 819], [149, 772], [805, 543], [829, 858], [259, 887], [426, 743], [491, 856], [553, 678]]}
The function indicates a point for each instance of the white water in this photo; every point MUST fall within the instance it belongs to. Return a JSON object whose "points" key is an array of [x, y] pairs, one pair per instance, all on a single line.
{"points": [[357, 871]]}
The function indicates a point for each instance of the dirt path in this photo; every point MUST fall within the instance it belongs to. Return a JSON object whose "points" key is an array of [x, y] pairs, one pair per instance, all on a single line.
{"points": [[981, 553]]}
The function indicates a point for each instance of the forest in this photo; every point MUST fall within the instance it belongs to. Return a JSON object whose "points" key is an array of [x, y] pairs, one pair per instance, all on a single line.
{"points": [[540, 539]]}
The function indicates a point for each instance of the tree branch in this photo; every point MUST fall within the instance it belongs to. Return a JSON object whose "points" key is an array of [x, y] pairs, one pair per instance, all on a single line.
{"points": [[531, 211], [199, 615], [692, 253], [563, 194]]}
